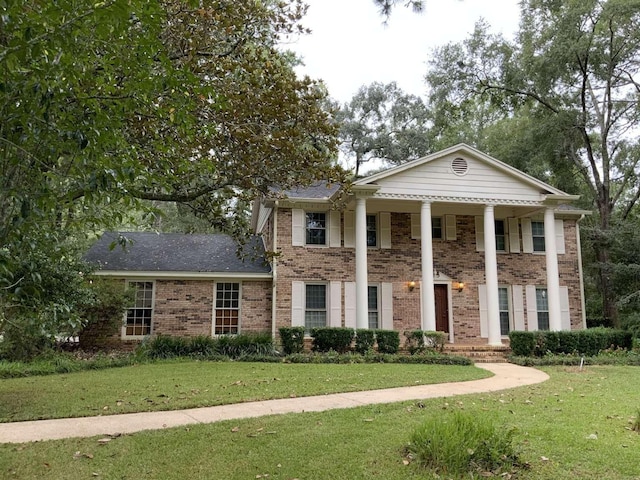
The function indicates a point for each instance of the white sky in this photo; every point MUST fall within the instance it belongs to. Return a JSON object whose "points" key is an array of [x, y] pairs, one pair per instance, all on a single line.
{"points": [[349, 46]]}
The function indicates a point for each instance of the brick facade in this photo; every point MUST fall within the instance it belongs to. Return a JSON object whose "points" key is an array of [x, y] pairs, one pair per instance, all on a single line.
{"points": [[400, 264]]}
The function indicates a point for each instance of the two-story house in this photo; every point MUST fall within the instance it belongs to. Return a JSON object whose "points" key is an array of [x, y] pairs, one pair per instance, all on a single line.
{"points": [[456, 241]]}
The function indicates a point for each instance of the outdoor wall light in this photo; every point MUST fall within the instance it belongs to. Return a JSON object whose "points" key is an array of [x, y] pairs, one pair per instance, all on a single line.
{"points": [[460, 286], [411, 285]]}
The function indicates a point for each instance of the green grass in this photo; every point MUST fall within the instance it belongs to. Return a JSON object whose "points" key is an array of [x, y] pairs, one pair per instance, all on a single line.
{"points": [[179, 384], [552, 422]]}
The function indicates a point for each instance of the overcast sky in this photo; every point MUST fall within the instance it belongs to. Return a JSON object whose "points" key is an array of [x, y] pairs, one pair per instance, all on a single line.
{"points": [[349, 46]]}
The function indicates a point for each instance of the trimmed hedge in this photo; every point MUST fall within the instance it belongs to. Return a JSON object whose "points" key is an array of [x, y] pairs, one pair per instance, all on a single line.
{"points": [[202, 346], [365, 340], [292, 339], [388, 341], [343, 358], [588, 342], [332, 338]]}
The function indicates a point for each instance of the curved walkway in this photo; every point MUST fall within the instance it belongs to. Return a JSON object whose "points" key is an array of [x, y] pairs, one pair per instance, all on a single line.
{"points": [[505, 376]]}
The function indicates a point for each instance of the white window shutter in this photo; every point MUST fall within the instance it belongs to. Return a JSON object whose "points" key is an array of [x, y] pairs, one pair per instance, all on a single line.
{"points": [[479, 234], [385, 229], [527, 235], [450, 227], [514, 236], [532, 307], [518, 307], [297, 304], [350, 304], [559, 236], [334, 228], [298, 227], [387, 306], [482, 304], [415, 226], [335, 304], [349, 229], [565, 315]]}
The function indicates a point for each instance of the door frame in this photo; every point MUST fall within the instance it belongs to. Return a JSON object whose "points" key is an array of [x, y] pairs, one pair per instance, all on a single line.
{"points": [[449, 284]]}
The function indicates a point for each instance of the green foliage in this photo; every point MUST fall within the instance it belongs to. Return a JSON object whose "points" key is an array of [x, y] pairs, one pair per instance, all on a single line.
{"points": [[201, 346], [463, 443], [329, 338], [343, 358], [62, 362], [238, 346], [419, 341], [292, 339], [588, 342], [388, 341], [365, 340]]}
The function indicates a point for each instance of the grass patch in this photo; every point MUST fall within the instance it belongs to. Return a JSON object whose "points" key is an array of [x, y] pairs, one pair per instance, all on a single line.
{"points": [[179, 384], [576, 425]]}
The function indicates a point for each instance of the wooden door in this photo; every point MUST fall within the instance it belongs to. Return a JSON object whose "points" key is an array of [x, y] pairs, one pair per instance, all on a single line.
{"points": [[442, 308]]}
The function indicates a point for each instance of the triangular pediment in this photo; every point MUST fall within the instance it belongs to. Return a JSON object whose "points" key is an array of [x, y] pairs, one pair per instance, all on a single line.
{"points": [[462, 173]]}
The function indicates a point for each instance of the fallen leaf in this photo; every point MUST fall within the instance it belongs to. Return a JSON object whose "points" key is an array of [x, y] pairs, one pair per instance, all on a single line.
{"points": [[235, 429], [104, 440], [544, 459]]}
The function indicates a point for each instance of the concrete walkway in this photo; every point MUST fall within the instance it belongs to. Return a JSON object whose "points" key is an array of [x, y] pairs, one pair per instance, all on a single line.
{"points": [[505, 376]]}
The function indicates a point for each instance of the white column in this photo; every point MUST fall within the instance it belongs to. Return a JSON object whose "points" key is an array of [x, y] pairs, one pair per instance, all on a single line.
{"points": [[362, 305], [553, 281], [491, 276], [426, 246]]}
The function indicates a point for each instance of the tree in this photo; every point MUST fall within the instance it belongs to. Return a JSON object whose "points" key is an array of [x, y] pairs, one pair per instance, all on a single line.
{"points": [[105, 104], [575, 68], [382, 122], [386, 6]]}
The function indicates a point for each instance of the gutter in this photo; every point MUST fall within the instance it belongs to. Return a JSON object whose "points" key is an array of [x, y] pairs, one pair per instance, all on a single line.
{"points": [[274, 271]]}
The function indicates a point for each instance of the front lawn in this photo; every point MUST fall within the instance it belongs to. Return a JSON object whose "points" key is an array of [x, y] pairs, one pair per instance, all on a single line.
{"points": [[179, 384], [577, 425]]}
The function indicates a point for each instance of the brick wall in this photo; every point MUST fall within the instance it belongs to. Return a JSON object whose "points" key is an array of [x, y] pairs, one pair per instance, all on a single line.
{"points": [[457, 259]]}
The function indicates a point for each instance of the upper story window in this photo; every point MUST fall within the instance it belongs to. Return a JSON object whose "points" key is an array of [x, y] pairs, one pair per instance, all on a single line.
{"points": [[138, 320], [537, 233], [436, 227], [316, 228], [372, 231], [501, 238]]}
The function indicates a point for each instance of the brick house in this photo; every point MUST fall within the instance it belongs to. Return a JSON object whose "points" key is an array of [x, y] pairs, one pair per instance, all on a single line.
{"points": [[456, 241]]}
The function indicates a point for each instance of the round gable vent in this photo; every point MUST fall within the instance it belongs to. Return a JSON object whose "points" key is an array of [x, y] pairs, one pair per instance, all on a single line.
{"points": [[459, 166]]}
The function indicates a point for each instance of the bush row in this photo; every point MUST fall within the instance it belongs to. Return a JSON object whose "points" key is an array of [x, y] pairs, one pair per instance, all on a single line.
{"points": [[588, 342], [372, 357], [202, 346]]}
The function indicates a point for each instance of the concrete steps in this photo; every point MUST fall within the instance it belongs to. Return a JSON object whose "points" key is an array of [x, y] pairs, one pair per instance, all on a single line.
{"points": [[479, 353]]}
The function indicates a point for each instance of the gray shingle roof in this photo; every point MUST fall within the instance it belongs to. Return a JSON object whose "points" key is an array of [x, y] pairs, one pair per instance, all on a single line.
{"points": [[317, 190], [177, 252]]}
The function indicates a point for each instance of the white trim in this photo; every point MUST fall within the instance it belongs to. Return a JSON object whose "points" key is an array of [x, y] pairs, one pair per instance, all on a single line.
{"points": [[514, 237], [350, 304], [297, 304], [482, 307], [215, 307], [214, 276], [532, 308], [565, 311], [334, 312], [479, 221], [298, 227], [527, 235], [518, 307], [450, 227], [386, 300], [334, 228], [349, 218], [123, 330], [559, 224], [384, 229], [415, 226]]}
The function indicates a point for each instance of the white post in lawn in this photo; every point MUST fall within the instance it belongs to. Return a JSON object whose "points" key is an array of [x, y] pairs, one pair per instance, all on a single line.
{"points": [[553, 281], [362, 310], [491, 277], [426, 246]]}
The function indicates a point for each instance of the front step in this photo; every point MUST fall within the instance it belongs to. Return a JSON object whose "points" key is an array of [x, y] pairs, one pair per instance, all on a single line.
{"points": [[479, 353]]}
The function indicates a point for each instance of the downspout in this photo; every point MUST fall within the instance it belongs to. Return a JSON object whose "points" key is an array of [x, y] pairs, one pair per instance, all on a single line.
{"points": [[274, 275], [582, 301]]}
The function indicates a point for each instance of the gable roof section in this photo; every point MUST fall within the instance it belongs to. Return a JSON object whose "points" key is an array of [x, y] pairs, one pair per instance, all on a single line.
{"points": [[176, 254], [485, 178]]}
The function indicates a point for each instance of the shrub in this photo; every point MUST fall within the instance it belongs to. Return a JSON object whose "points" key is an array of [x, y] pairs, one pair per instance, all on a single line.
{"points": [[522, 343], [165, 346], [203, 346], [235, 346], [365, 340], [584, 342], [419, 341], [328, 338], [388, 341], [292, 339], [463, 443]]}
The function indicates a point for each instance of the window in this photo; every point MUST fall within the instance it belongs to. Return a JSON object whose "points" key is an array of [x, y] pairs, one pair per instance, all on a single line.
{"points": [[372, 300], [436, 227], [315, 312], [227, 319], [372, 231], [542, 307], [537, 232], [503, 306], [138, 321], [501, 241], [316, 228]]}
